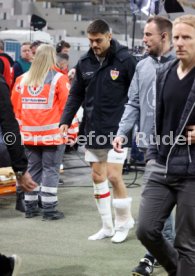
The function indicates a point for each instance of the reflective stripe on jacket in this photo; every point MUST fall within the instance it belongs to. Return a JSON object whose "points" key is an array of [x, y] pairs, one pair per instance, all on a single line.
{"points": [[39, 109]]}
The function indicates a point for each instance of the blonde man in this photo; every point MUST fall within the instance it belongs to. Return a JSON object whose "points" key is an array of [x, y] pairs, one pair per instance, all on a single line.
{"points": [[171, 160]]}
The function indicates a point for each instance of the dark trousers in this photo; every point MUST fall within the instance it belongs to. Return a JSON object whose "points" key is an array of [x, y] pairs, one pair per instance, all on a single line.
{"points": [[159, 197], [5, 266], [44, 165]]}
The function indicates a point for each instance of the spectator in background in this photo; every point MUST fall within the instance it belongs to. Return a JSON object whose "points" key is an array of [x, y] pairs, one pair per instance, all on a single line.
{"points": [[63, 47], [10, 265], [34, 45], [6, 63], [62, 60], [23, 64]]}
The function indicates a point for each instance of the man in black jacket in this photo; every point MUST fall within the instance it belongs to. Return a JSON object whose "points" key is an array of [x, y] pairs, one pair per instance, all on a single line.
{"points": [[171, 158], [102, 79], [11, 137]]}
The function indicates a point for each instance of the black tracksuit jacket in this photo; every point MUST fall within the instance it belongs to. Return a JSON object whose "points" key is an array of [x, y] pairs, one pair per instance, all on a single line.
{"points": [[103, 89], [10, 130]]}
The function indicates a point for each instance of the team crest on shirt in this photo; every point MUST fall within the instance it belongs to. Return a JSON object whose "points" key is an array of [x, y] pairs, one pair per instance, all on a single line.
{"points": [[114, 74], [35, 90]]}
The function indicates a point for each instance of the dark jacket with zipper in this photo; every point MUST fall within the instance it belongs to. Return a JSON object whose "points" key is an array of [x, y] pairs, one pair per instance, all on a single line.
{"points": [[181, 158], [10, 133], [103, 89]]}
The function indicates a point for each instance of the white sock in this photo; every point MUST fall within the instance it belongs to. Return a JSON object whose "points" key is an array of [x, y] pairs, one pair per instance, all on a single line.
{"points": [[122, 209], [123, 219], [103, 202]]}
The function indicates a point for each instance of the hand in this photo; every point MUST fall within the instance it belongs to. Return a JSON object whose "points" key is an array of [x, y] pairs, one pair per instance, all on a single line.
{"points": [[71, 142], [64, 130], [26, 182], [151, 162], [117, 144], [71, 74], [190, 134]]}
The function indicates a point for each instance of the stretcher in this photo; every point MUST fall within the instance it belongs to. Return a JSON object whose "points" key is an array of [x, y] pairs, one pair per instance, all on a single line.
{"points": [[7, 181]]}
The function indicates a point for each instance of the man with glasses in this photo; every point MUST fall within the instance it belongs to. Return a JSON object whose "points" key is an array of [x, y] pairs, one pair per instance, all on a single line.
{"points": [[102, 78]]}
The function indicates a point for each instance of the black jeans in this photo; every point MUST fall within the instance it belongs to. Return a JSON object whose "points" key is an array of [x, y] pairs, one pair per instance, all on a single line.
{"points": [[5, 265], [159, 197]]}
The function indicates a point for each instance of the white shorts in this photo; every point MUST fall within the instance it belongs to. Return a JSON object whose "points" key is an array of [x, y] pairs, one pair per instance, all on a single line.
{"points": [[105, 155]]}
